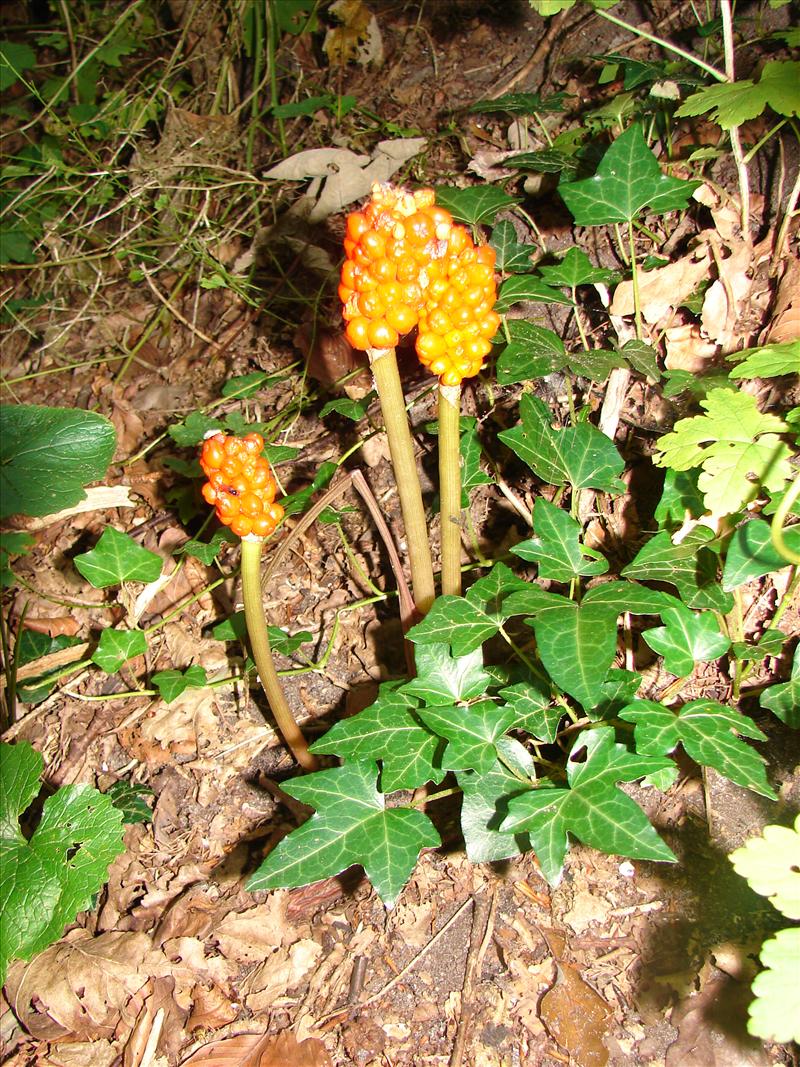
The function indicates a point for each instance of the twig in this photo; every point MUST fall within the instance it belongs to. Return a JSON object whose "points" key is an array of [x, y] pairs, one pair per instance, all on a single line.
{"points": [[541, 50], [736, 144], [482, 930], [176, 314]]}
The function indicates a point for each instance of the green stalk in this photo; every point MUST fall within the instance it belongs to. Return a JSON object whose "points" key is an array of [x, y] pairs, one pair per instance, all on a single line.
{"points": [[450, 487], [779, 519], [262, 653], [637, 306], [387, 383]]}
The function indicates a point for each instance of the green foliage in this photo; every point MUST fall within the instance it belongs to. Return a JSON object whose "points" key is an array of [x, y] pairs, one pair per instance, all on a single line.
{"points": [[783, 700], [687, 638], [116, 647], [170, 684], [751, 553], [556, 547], [48, 455], [768, 361], [732, 103], [771, 865], [45, 880], [117, 558]]}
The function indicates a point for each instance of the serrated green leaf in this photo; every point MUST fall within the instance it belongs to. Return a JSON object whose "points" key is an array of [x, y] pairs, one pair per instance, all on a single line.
{"points": [[131, 800], [47, 456], [388, 730], [512, 256], [733, 103], [527, 287], [708, 731], [441, 679], [16, 246], [686, 638], [117, 558], [351, 825], [771, 864], [556, 546], [117, 647], [783, 700], [736, 445], [171, 684], [691, 567], [533, 352], [534, 710], [576, 269], [751, 553], [479, 204], [580, 455], [471, 732], [775, 1012], [628, 180], [767, 361], [592, 809], [47, 880], [483, 808], [577, 643]]}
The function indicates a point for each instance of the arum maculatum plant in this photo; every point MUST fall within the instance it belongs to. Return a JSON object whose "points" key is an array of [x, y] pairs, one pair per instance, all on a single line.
{"points": [[242, 489], [407, 266]]}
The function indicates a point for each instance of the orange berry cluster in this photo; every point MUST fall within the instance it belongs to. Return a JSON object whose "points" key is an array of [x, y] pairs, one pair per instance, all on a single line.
{"points": [[240, 484], [409, 265]]}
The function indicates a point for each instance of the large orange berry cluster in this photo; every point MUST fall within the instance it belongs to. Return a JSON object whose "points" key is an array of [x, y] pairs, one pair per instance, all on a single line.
{"points": [[408, 264], [240, 484]]}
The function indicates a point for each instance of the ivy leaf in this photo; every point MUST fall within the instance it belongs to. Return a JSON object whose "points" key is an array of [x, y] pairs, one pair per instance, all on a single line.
{"points": [[455, 621], [388, 730], [193, 429], [534, 710], [783, 700], [47, 456], [736, 445], [690, 566], [117, 647], [529, 288], [770, 643], [483, 808], [618, 689], [544, 161], [595, 364], [686, 638], [557, 548], [708, 731], [521, 104], [351, 409], [580, 455], [628, 180], [117, 558], [533, 352], [642, 358], [751, 553], [481, 203], [592, 809], [207, 551], [470, 448], [577, 643], [513, 257], [46, 880], [171, 684], [576, 269], [351, 825], [491, 592], [733, 103], [628, 596], [131, 800], [679, 496], [471, 732], [767, 361], [441, 679]]}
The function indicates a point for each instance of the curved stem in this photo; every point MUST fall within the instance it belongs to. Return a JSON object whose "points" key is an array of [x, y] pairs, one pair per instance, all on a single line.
{"points": [[778, 520], [450, 487], [387, 382], [637, 31], [262, 654], [736, 143]]}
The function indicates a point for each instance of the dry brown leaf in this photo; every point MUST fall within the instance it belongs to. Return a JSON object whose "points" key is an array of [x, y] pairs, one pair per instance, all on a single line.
{"points": [[725, 299], [80, 1054], [357, 39], [711, 1027], [576, 1017], [687, 349], [98, 498], [62, 624], [786, 316], [211, 1009], [250, 936], [261, 1050], [662, 290], [282, 971]]}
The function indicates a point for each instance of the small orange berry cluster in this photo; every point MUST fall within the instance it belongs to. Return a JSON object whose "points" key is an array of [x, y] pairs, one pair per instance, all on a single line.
{"points": [[409, 265], [240, 484]]}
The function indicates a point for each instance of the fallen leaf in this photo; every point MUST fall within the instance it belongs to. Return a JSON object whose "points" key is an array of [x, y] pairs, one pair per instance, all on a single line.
{"points": [[687, 349], [282, 971], [61, 624], [98, 498], [358, 39], [261, 1050], [576, 1017], [724, 301], [250, 936], [785, 324], [315, 163], [662, 290]]}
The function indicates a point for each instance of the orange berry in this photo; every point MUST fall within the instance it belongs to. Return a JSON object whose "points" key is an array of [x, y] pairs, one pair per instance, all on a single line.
{"points": [[384, 270], [401, 317], [371, 305], [407, 269], [357, 333], [373, 243], [431, 345], [357, 224], [382, 335]]}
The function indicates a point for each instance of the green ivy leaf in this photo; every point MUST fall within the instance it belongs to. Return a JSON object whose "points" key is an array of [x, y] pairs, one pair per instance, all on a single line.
{"points": [[751, 553], [527, 287], [733, 103], [521, 104], [351, 409], [544, 161], [388, 730], [628, 596], [47, 456], [686, 638], [193, 429], [679, 496], [595, 364], [783, 700], [207, 551], [577, 269], [512, 256], [441, 679], [642, 358], [770, 643], [131, 800], [533, 352], [628, 180], [479, 204], [767, 361], [470, 447], [171, 684], [736, 445], [771, 864], [117, 558], [117, 647], [534, 710], [690, 566], [453, 620], [483, 808], [592, 809], [619, 688], [46, 880], [351, 825], [580, 455], [471, 732], [708, 731], [556, 546], [577, 643]]}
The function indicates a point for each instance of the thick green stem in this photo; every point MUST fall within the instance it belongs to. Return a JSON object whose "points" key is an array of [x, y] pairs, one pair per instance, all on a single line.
{"points": [[401, 446], [262, 654], [450, 487]]}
